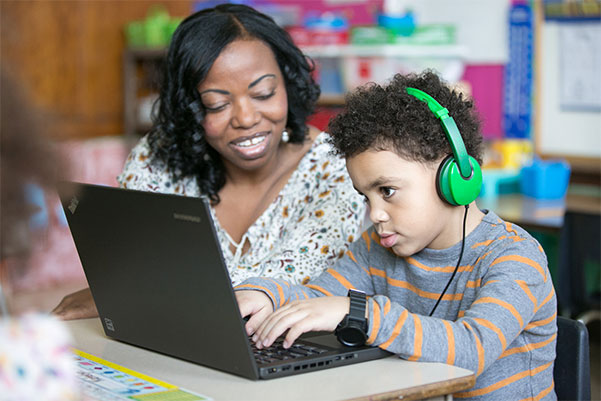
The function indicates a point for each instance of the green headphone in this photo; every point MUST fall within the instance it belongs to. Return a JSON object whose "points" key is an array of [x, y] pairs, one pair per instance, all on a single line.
{"points": [[459, 177]]}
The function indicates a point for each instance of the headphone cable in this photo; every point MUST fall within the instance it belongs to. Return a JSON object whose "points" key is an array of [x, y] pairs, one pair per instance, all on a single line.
{"points": [[458, 262]]}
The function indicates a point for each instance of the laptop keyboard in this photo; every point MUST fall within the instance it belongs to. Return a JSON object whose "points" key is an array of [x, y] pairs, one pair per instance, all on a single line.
{"points": [[277, 352]]}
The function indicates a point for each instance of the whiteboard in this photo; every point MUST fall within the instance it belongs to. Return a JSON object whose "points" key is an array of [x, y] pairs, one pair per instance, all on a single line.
{"points": [[574, 133]]}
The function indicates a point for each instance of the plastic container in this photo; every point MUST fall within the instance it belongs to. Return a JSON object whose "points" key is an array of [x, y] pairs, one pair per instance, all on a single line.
{"points": [[545, 179]]}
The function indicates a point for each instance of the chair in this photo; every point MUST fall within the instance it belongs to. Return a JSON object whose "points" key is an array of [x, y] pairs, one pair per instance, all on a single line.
{"points": [[579, 246], [571, 372]]}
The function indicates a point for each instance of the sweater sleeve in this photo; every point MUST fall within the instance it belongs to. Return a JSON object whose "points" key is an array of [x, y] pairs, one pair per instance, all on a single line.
{"points": [[515, 287], [349, 272]]}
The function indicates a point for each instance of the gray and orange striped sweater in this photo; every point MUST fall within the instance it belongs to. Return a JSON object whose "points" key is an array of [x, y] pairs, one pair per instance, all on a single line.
{"points": [[498, 317]]}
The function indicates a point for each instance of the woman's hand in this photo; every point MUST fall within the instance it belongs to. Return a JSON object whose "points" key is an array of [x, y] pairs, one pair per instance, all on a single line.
{"points": [[298, 317], [79, 305], [256, 305]]}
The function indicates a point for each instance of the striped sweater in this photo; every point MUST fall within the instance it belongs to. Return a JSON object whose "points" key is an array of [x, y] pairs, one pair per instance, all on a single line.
{"points": [[498, 317]]}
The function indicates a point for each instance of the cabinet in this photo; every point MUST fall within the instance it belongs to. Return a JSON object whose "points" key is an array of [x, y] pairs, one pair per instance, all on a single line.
{"points": [[141, 75], [351, 65]]}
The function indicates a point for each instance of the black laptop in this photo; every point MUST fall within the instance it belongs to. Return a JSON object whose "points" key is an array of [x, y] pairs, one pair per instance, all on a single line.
{"points": [[155, 269]]}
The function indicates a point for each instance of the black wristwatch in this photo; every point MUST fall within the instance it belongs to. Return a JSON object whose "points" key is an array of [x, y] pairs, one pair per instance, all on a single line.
{"points": [[352, 330]]}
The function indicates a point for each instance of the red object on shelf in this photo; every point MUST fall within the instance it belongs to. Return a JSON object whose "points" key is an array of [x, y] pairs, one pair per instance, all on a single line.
{"points": [[322, 116], [313, 37]]}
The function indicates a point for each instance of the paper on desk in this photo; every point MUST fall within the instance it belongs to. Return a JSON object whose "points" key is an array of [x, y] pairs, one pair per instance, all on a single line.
{"points": [[103, 380]]}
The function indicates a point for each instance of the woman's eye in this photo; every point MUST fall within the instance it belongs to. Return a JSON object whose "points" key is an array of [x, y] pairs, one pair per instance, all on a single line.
{"points": [[217, 107], [387, 192], [265, 96]]}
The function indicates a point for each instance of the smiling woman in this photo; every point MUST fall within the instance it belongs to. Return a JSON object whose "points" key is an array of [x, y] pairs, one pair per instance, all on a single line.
{"points": [[231, 126]]}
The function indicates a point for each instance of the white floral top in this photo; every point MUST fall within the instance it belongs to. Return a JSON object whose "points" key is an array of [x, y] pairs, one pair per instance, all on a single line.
{"points": [[304, 231], [35, 360]]}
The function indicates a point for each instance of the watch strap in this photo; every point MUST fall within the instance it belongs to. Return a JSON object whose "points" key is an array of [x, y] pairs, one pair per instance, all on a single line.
{"points": [[358, 300]]}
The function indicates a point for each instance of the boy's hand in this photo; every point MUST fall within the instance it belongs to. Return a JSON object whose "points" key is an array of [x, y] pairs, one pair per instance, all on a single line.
{"points": [[298, 317], [256, 305]]}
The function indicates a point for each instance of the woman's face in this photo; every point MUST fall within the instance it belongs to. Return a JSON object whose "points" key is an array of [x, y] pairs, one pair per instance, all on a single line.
{"points": [[244, 96]]}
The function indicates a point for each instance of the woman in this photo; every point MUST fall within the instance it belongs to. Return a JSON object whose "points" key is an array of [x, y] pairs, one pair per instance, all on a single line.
{"points": [[231, 125]]}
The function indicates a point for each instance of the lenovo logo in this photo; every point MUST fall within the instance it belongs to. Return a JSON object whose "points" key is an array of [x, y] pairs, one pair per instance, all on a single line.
{"points": [[73, 205], [186, 217]]}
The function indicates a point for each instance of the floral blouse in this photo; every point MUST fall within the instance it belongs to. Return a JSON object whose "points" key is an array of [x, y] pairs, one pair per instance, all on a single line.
{"points": [[304, 231]]}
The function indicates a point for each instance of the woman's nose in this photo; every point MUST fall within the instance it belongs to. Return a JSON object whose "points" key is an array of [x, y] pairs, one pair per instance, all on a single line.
{"points": [[245, 114]]}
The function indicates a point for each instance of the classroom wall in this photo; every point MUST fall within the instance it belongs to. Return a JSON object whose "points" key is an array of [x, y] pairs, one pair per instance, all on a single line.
{"points": [[69, 54], [574, 133]]}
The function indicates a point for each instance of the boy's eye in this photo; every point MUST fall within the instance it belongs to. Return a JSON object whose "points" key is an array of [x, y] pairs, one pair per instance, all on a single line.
{"points": [[387, 192]]}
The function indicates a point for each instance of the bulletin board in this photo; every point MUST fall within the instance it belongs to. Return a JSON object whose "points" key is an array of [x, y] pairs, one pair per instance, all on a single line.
{"points": [[568, 93]]}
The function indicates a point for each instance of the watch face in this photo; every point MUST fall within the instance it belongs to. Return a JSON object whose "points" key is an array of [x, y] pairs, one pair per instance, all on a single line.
{"points": [[351, 336]]}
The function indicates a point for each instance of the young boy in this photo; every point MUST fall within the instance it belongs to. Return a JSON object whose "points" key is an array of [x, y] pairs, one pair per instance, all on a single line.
{"points": [[445, 281]]}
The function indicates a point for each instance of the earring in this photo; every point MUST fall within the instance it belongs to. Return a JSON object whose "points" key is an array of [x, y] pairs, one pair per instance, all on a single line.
{"points": [[285, 136], [206, 157]]}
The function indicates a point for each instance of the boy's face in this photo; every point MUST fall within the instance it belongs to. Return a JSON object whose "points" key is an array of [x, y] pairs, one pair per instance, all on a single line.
{"points": [[404, 206]]}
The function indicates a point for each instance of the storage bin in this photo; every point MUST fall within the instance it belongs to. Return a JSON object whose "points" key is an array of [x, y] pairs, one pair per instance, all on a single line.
{"points": [[545, 179]]}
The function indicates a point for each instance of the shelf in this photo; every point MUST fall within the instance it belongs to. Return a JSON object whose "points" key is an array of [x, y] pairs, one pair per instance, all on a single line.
{"points": [[439, 51]]}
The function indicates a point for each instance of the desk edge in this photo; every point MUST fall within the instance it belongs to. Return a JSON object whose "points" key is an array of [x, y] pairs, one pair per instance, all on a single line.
{"points": [[425, 391]]}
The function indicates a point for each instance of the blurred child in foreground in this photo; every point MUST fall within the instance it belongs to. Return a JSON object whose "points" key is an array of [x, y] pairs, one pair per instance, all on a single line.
{"points": [[35, 360]]}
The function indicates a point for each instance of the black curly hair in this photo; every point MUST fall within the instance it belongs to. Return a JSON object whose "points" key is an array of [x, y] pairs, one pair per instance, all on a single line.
{"points": [[384, 116], [177, 137]]}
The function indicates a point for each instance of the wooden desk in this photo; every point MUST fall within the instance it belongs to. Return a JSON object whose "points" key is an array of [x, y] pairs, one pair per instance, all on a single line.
{"points": [[385, 379]]}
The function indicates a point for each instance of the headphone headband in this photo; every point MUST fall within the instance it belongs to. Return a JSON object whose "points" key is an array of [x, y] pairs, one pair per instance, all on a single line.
{"points": [[450, 129]]}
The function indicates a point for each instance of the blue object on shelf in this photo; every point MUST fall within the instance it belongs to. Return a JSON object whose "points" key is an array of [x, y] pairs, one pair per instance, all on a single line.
{"points": [[545, 179], [517, 108], [400, 24], [499, 181], [327, 21]]}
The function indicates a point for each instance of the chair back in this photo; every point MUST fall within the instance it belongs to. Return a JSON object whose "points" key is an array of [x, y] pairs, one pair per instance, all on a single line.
{"points": [[571, 372]]}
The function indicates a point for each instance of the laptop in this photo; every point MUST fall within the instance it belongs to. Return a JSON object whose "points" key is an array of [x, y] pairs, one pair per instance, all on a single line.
{"points": [[155, 268]]}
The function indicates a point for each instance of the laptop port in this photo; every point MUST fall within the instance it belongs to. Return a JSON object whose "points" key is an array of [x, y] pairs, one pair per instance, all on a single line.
{"points": [[305, 366], [297, 368], [313, 365], [273, 370], [287, 367], [320, 364]]}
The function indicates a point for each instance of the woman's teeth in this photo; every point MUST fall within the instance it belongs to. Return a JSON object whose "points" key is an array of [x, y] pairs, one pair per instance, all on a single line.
{"points": [[251, 142]]}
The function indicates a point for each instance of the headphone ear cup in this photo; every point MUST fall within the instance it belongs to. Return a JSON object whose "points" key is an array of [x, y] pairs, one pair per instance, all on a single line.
{"points": [[442, 180], [452, 188]]}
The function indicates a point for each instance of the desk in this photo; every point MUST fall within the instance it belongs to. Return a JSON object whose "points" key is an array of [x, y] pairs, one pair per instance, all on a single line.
{"points": [[525, 211], [540, 213], [384, 379]]}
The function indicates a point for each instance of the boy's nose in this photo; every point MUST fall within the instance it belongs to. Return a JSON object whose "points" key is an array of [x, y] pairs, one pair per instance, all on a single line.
{"points": [[378, 215], [245, 114]]}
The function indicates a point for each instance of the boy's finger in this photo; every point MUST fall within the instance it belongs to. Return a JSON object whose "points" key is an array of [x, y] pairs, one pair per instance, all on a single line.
{"points": [[293, 333], [266, 326], [268, 323], [255, 321], [285, 322]]}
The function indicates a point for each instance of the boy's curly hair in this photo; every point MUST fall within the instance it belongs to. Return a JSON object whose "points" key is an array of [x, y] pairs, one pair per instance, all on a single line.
{"points": [[382, 117]]}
